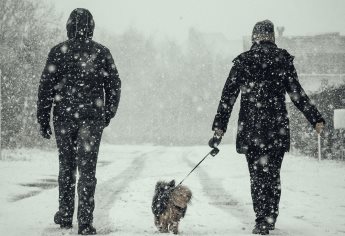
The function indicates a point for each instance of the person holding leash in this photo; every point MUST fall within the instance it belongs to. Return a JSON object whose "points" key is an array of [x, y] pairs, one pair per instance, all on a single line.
{"points": [[81, 82], [263, 75]]}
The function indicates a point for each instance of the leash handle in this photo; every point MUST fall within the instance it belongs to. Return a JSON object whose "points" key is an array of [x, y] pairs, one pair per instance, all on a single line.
{"points": [[213, 152]]}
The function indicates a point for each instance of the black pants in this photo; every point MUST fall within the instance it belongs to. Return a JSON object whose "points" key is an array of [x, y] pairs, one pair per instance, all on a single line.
{"points": [[264, 170], [78, 144]]}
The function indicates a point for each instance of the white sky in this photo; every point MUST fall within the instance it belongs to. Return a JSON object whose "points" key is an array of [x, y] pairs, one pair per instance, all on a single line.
{"points": [[232, 18]]}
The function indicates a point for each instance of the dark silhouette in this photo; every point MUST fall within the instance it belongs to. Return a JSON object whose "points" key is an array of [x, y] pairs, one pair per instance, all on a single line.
{"points": [[263, 75], [81, 82]]}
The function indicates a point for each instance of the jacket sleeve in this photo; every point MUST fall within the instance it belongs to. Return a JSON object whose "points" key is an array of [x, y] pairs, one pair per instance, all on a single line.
{"points": [[112, 87], [46, 90], [229, 95], [299, 97]]}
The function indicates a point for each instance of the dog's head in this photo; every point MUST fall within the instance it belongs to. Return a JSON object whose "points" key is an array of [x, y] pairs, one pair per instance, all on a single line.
{"points": [[163, 186]]}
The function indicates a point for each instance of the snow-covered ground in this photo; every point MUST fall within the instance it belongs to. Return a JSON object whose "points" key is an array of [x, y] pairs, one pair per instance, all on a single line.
{"points": [[313, 193]]}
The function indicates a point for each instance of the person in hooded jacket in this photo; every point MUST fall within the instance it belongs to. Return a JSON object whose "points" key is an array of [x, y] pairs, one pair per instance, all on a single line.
{"points": [[263, 75], [80, 81]]}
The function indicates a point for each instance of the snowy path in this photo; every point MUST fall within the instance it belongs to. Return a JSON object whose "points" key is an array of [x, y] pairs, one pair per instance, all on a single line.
{"points": [[313, 195]]}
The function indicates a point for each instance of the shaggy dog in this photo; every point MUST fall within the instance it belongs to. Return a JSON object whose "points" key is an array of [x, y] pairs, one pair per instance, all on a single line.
{"points": [[169, 205]]}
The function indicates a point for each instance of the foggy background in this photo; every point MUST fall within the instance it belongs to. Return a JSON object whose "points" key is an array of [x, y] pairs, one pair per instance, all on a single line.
{"points": [[173, 58]]}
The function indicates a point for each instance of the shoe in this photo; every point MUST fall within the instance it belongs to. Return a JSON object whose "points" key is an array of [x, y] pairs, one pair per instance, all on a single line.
{"points": [[261, 228], [271, 226], [271, 221], [86, 229], [59, 221]]}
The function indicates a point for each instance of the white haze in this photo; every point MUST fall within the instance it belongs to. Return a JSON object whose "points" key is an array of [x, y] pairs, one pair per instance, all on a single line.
{"points": [[232, 18]]}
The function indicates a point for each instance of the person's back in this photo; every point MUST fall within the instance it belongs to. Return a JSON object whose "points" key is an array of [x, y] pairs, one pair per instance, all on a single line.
{"points": [[264, 73], [78, 72]]}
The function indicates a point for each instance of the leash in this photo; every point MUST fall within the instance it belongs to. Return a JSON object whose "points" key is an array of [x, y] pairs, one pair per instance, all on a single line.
{"points": [[213, 152], [319, 146]]}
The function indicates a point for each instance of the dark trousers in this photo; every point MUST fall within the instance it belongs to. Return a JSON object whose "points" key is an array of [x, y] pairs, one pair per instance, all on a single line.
{"points": [[264, 170], [78, 144]]}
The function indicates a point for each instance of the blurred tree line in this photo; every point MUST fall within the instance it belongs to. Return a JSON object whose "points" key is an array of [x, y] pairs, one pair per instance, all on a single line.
{"points": [[27, 31], [304, 137], [170, 91]]}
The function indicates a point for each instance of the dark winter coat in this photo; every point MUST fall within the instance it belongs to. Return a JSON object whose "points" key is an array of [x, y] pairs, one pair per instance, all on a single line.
{"points": [[80, 78], [263, 75]]}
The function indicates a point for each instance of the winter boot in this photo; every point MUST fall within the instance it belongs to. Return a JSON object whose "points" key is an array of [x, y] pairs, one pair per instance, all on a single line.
{"points": [[59, 221], [261, 228], [86, 229], [271, 221], [271, 226]]}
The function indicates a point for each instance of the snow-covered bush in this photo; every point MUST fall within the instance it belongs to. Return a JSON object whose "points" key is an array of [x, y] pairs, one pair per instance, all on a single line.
{"points": [[303, 137]]}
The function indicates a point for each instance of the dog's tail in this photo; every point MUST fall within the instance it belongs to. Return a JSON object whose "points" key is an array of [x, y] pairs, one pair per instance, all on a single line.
{"points": [[181, 196]]}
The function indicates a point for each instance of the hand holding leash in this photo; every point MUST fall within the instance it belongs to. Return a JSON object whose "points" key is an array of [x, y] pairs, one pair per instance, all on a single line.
{"points": [[216, 139], [319, 127]]}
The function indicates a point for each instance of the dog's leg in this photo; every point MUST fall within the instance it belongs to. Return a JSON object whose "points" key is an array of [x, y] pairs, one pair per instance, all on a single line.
{"points": [[164, 228], [175, 227], [157, 223], [163, 224], [175, 218]]}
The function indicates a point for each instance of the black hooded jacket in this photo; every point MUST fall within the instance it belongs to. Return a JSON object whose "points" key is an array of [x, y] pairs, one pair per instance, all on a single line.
{"points": [[80, 78], [263, 75]]}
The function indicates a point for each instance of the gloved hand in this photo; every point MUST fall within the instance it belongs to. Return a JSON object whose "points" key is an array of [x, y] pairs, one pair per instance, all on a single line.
{"points": [[216, 139], [319, 127], [46, 131]]}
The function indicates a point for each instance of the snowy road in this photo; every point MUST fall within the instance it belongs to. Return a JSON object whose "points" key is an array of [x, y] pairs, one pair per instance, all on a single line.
{"points": [[313, 194]]}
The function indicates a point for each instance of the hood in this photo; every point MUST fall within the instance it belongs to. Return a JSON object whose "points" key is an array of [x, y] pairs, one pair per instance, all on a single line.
{"points": [[80, 24]]}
